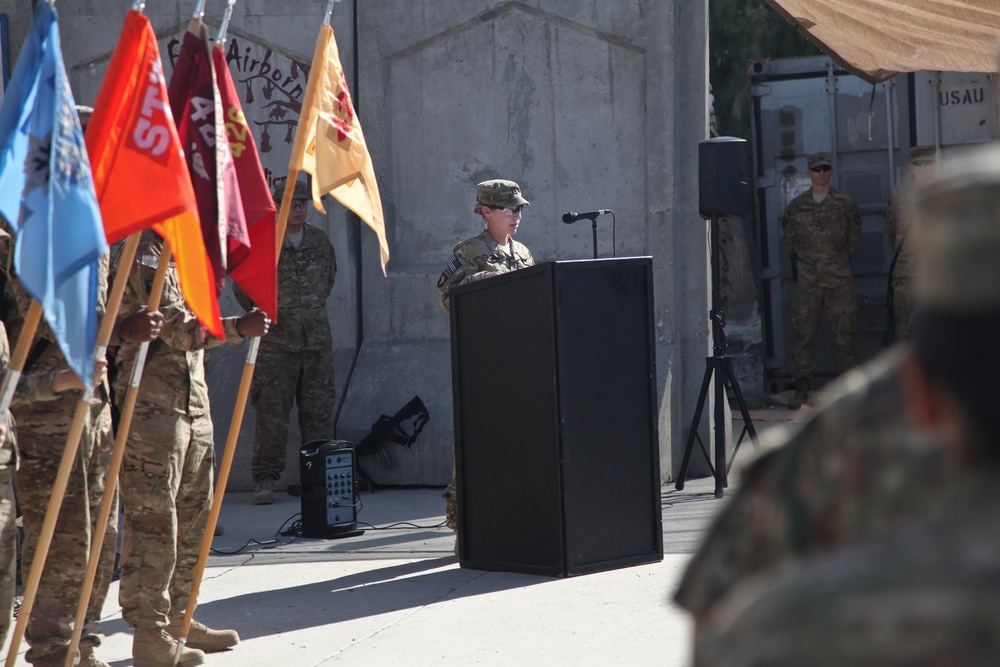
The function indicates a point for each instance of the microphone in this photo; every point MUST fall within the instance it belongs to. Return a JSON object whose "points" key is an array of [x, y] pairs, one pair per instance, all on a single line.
{"points": [[570, 218]]}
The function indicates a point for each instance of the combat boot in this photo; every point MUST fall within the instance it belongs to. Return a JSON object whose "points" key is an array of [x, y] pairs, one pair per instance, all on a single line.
{"points": [[202, 637], [801, 395], [156, 648], [264, 494]]}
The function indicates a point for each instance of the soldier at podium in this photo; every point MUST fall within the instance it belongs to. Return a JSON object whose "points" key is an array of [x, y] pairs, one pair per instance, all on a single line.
{"points": [[490, 253], [494, 251]]}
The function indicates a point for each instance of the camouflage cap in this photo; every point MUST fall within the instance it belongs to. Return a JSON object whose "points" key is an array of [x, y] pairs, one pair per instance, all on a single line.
{"points": [[301, 191], [819, 160], [498, 193], [956, 233], [922, 155]]}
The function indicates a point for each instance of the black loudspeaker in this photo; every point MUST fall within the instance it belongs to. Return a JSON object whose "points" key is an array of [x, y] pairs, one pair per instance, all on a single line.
{"points": [[329, 498], [555, 418], [722, 177]]}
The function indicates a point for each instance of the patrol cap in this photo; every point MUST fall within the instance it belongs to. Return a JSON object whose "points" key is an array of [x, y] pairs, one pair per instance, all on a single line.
{"points": [[920, 155], [301, 191], [956, 233], [498, 193], [819, 160]]}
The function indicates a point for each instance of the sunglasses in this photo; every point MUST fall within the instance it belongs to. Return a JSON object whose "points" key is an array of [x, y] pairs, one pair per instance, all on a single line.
{"points": [[510, 212], [822, 169]]}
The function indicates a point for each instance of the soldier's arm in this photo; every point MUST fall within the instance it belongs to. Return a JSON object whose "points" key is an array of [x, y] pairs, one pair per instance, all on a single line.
{"points": [[853, 228], [242, 298], [331, 273], [788, 228], [751, 534], [181, 329]]}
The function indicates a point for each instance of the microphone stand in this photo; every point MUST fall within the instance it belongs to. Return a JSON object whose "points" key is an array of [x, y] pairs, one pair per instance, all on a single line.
{"points": [[593, 222]]}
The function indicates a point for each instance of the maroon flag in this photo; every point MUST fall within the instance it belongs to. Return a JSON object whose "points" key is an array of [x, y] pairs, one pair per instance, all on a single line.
{"points": [[257, 274], [196, 107]]}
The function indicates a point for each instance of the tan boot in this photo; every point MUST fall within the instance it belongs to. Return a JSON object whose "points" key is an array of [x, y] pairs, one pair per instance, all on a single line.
{"points": [[156, 648], [91, 660], [202, 637], [264, 493]]}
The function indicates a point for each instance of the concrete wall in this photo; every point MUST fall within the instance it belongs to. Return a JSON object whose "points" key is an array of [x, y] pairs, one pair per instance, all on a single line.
{"points": [[587, 104]]}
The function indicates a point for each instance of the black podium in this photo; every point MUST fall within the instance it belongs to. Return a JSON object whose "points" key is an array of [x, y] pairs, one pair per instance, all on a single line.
{"points": [[553, 371]]}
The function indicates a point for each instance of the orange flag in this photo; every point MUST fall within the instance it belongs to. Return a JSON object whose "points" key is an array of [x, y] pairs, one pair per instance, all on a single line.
{"points": [[140, 175], [329, 143], [257, 273]]}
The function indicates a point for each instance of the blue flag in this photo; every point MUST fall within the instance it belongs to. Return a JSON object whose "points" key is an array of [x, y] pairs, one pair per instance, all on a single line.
{"points": [[47, 193]]}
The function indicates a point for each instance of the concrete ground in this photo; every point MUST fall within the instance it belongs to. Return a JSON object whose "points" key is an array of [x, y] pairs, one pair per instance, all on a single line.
{"points": [[397, 595]]}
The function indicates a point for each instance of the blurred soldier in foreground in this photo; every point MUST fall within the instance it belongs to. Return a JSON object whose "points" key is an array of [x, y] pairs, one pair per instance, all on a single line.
{"points": [[927, 593], [295, 361], [166, 477], [490, 253], [898, 216], [822, 229]]}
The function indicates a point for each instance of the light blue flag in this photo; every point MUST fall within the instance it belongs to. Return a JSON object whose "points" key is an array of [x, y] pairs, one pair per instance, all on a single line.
{"points": [[47, 193]]}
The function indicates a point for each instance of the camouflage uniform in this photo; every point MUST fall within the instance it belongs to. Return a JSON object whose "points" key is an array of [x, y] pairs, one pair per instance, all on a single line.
{"points": [[166, 477], [295, 361], [823, 237], [851, 472], [42, 427], [469, 262], [927, 596]]}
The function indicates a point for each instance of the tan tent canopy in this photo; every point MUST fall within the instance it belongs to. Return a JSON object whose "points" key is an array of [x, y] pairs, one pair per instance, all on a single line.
{"points": [[875, 39]]}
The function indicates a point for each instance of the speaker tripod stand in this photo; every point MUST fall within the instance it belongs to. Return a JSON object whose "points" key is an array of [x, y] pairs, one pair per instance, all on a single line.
{"points": [[721, 366]]}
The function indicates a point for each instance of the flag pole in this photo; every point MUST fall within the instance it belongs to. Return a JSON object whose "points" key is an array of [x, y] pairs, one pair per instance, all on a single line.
{"points": [[221, 37], [83, 407], [20, 356], [124, 424]]}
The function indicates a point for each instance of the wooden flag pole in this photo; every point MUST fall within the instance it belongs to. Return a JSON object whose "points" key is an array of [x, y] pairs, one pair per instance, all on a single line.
{"points": [[220, 489], [286, 207], [20, 356], [234, 435], [83, 407], [121, 436]]}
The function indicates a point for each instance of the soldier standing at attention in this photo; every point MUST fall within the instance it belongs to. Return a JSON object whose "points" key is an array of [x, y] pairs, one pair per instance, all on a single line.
{"points": [[822, 229], [166, 476], [295, 361], [490, 253], [897, 228]]}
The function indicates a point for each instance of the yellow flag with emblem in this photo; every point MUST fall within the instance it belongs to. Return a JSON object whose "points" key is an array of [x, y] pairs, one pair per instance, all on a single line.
{"points": [[329, 143]]}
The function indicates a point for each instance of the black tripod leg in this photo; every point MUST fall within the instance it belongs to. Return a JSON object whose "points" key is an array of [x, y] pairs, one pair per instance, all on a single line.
{"points": [[747, 421], [693, 433]]}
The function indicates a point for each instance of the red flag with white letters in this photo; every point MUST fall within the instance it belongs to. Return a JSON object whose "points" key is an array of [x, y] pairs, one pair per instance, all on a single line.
{"points": [[140, 175]]}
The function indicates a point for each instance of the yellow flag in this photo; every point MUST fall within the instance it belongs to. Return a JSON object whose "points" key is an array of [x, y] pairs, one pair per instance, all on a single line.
{"points": [[329, 143]]}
